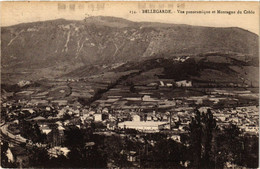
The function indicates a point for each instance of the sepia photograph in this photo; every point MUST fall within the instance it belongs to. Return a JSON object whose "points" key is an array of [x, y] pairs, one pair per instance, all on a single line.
{"points": [[104, 84]]}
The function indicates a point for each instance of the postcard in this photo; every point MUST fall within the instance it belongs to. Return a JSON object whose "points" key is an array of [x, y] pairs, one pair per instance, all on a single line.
{"points": [[137, 84]]}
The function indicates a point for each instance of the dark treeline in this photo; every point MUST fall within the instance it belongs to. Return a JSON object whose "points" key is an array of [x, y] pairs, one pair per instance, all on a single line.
{"points": [[98, 94]]}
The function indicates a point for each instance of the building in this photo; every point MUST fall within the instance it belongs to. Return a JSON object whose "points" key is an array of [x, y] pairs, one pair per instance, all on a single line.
{"points": [[147, 98], [56, 136], [45, 129], [161, 83], [57, 151], [112, 125], [145, 126], [60, 102], [169, 85], [136, 117], [184, 83], [176, 138], [131, 156], [98, 117]]}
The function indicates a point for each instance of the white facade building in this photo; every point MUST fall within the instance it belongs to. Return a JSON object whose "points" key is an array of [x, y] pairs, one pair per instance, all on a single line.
{"points": [[184, 83], [97, 117], [142, 125], [136, 118]]}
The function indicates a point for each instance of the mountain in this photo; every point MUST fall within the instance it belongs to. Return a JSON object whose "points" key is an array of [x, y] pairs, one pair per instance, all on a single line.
{"points": [[54, 48]]}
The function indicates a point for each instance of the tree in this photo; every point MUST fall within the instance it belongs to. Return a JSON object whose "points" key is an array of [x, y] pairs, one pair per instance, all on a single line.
{"points": [[113, 145], [74, 137], [4, 148], [229, 145], [201, 131], [195, 137], [209, 124], [66, 116], [250, 151], [38, 157], [59, 162], [32, 132], [167, 154], [38, 136], [132, 87], [81, 156]]}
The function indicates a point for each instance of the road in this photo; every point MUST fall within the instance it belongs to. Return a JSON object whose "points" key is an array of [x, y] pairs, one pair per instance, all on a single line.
{"points": [[8, 136]]}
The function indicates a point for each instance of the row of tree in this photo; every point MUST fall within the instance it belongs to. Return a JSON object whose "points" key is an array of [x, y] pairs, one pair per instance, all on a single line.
{"points": [[31, 131]]}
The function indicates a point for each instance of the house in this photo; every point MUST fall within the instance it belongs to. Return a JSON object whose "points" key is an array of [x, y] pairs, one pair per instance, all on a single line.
{"points": [[161, 83], [221, 118], [60, 102], [89, 145], [183, 83], [251, 129], [165, 118], [165, 126], [111, 125], [155, 118], [91, 112], [169, 85], [149, 118], [152, 84], [131, 156], [57, 151], [48, 108], [111, 117], [105, 110], [203, 109], [45, 129], [31, 111], [38, 102], [136, 117], [98, 117], [39, 120], [148, 98], [234, 119], [176, 138]]}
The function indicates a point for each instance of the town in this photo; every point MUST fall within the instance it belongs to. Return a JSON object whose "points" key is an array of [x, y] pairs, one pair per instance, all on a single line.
{"points": [[137, 113]]}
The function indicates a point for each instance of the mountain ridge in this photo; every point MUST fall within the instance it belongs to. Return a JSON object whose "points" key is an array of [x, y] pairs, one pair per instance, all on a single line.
{"points": [[94, 18], [59, 44]]}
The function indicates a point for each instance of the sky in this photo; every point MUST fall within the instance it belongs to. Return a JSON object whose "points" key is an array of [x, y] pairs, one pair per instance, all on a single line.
{"points": [[21, 12]]}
